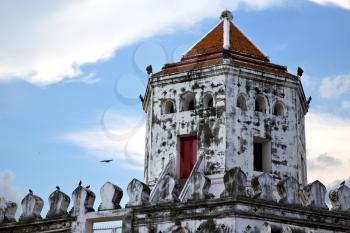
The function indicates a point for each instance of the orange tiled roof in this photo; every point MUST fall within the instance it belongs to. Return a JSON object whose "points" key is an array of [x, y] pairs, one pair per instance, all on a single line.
{"points": [[213, 42], [210, 51], [241, 44]]}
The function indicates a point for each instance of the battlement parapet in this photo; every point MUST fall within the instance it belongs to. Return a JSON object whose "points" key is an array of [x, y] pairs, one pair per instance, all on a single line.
{"points": [[294, 208]]}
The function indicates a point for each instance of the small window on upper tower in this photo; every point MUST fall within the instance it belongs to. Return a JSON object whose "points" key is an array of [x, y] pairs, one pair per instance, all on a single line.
{"points": [[188, 102], [262, 155], [278, 109], [208, 101], [260, 105], [241, 102], [168, 107]]}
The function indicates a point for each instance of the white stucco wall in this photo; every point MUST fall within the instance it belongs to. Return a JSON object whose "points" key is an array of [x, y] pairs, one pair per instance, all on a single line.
{"points": [[284, 133], [225, 133], [207, 124]]}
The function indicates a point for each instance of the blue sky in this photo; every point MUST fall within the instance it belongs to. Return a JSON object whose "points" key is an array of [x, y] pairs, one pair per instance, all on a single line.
{"points": [[71, 74]]}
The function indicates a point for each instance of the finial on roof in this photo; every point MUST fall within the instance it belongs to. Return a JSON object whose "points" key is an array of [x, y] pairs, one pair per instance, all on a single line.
{"points": [[226, 17], [226, 14]]}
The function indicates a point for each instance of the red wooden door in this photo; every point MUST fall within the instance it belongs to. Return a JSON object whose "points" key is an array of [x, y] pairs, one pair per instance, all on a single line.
{"points": [[188, 155]]}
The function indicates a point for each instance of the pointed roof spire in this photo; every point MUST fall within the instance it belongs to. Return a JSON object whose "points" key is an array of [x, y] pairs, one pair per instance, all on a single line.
{"points": [[225, 36], [224, 44]]}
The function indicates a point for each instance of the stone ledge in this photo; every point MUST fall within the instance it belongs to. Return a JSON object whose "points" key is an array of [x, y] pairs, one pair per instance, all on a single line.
{"points": [[242, 207], [107, 215], [62, 224]]}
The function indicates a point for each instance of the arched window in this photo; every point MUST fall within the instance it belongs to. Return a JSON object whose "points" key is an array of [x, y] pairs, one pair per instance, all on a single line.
{"points": [[168, 107], [278, 109], [260, 105], [241, 102], [208, 101], [188, 102]]}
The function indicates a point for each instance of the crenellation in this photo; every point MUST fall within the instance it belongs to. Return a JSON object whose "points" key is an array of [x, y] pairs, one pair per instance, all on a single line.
{"points": [[229, 213], [83, 201], [111, 196], [340, 198], [59, 203], [138, 193], [314, 195], [235, 181], [289, 191], [32, 206], [263, 187], [7, 211]]}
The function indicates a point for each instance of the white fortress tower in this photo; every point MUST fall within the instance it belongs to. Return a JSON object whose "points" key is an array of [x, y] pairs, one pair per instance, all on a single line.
{"points": [[225, 101]]}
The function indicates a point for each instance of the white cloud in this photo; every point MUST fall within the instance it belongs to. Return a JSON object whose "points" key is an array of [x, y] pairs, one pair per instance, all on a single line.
{"points": [[345, 105], [328, 150], [323, 161], [120, 138], [340, 3], [335, 86], [44, 42], [8, 190]]}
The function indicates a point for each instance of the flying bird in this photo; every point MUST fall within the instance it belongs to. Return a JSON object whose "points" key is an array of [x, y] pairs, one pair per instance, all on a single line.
{"points": [[80, 183], [342, 183], [141, 98], [87, 187], [106, 161], [58, 188]]}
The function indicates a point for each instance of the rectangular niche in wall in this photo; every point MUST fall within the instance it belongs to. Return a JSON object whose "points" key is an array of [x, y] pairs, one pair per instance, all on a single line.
{"points": [[188, 155], [107, 227], [262, 155]]}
